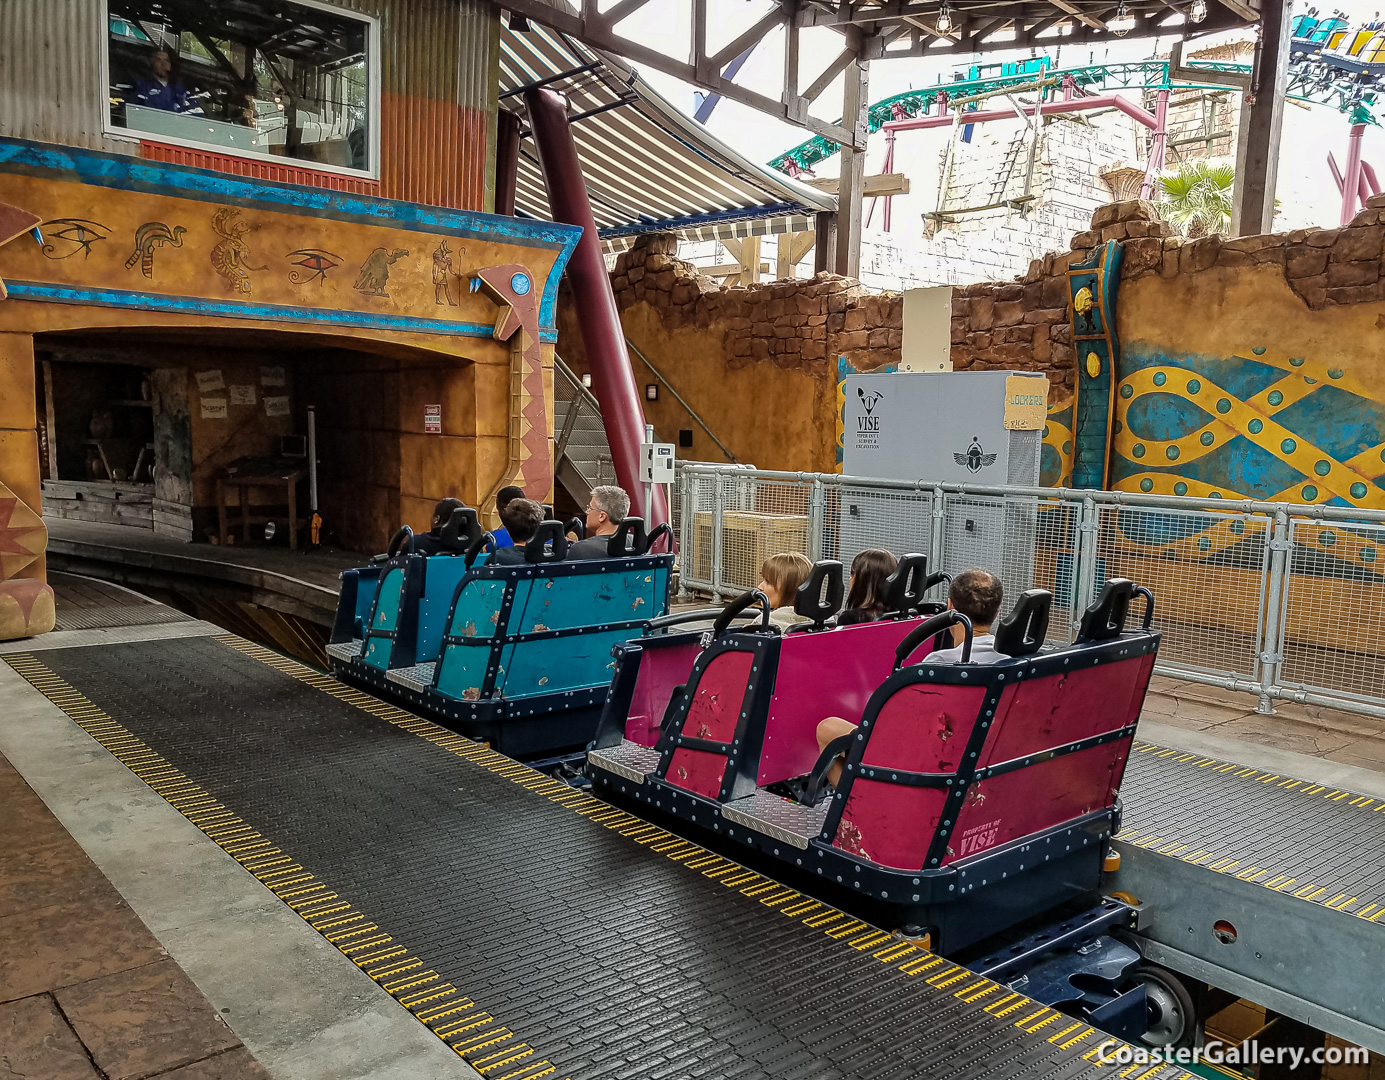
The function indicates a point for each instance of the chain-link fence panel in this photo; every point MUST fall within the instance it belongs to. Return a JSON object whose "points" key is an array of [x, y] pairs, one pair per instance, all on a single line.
{"points": [[856, 518], [1055, 564], [1207, 570], [1332, 635], [757, 518], [991, 532]]}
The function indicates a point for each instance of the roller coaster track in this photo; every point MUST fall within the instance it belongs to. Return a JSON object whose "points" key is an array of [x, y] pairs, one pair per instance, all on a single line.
{"points": [[1314, 77]]}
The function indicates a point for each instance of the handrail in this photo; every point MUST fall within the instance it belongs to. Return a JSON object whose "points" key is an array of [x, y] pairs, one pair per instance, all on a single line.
{"points": [[1319, 511], [701, 423]]}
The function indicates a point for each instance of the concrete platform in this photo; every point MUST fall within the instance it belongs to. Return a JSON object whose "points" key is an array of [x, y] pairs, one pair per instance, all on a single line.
{"points": [[297, 583]]}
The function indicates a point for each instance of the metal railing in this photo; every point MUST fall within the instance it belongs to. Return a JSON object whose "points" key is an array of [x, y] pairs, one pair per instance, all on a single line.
{"points": [[1284, 601]]}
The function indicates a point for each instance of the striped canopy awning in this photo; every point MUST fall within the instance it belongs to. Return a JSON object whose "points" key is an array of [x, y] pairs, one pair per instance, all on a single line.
{"points": [[648, 166]]}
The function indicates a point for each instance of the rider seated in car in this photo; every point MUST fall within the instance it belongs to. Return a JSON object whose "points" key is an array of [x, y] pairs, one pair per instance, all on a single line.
{"points": [[976, 594], [502, 500], [521, 518], [607, 507], [780, 577], [865, 595], [430, 543]]}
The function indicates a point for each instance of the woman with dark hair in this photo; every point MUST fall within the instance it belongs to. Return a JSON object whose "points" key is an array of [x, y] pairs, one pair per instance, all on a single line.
{"points": [[865, 599]]}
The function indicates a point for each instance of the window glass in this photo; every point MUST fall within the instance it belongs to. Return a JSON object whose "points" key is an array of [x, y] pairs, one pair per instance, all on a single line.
{"points": [[259, 76]]}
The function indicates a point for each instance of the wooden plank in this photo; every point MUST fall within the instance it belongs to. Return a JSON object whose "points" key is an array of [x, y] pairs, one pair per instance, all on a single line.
{"points": [[874, 187]]}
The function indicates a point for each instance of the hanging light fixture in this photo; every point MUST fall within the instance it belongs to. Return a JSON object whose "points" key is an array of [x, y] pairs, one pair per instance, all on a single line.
{"points": [[1123, 22], [944, 23], [1197, 10]]}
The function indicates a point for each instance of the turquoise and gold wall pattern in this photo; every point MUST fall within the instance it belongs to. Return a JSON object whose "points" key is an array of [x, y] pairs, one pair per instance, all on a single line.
{"points": [[1263, 425]]}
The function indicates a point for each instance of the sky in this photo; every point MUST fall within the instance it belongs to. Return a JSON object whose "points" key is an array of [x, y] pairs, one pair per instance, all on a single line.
{"points": [[1307, 192]]}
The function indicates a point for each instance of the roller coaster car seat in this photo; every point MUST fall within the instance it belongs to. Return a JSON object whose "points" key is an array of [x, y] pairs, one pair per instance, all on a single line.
{"points": [[413, 595], [1022, 632], [820, 597], [904, 588], [1105, 618], [748, 715], [548, 544], [461, 530], [956, 763]]}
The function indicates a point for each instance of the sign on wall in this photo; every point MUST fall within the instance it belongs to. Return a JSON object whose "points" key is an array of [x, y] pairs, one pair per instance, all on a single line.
{"points": [[1026, 403], [432, 419]]}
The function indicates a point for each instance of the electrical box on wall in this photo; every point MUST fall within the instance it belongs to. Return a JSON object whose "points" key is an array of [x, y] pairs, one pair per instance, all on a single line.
{"points": [[980, 428], [656, 463], [945, 426], [927, 337]]}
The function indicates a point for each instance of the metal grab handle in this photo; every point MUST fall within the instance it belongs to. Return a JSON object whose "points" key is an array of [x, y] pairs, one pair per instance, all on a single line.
{"points": [[662, 529], [927, 629], [737, 606], [677, 618], [840, 745], [485, 540], [1140, 590], [405, 536]]}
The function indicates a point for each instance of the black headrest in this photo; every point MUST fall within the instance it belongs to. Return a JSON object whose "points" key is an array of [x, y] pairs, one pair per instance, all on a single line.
{"points": [[820, 597], [1105, 619], [904, 588], [549, 544], [1023, 631], [548, 514], [462, 529], [576, 525], [629, 538]]}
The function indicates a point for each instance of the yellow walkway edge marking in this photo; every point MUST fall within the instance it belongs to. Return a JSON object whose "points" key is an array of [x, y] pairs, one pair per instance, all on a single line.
{"points": [[1313, 893]]}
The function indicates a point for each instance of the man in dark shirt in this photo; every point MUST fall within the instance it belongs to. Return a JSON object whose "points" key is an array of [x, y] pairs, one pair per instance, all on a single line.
{"points": [[430, 543], [606, 509], [158, 90], [521, 518], [503, 497]]}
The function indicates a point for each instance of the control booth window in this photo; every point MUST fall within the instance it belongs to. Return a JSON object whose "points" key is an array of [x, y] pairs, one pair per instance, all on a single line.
{"points": [[275, 78]]}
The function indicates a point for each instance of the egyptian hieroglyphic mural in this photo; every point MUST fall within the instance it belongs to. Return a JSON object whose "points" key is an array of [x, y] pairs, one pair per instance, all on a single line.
{"points": [[177, 244]]}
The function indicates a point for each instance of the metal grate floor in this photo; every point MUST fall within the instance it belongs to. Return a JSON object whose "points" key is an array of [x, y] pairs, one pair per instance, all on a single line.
{"points": [[1321, 844]]}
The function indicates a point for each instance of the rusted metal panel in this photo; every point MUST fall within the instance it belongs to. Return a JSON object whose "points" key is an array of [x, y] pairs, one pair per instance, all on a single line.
{"points": [[257, 167], [51, 87], [440, 80]]}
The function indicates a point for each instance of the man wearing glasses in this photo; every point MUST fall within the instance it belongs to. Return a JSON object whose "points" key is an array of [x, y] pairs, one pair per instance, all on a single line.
{"points": [[606, 509]]}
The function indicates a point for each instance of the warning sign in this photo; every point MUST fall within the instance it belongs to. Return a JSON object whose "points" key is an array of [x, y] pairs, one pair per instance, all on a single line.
{"points": [[432, 419]]}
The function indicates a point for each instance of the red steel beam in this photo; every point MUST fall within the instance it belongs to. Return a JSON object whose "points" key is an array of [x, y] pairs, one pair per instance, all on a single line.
{"points": [[613, 380]]}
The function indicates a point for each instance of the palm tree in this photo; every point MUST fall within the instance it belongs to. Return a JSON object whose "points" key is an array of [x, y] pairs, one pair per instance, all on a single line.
{"points": [[1196, 200]]}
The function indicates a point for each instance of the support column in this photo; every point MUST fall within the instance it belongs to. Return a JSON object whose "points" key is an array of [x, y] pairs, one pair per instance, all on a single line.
{"points": [[603, 338], [506, 162], [825, 246], [855, 107], [1158, 145], [1262, 121], [1351, 177], [26, 602]]}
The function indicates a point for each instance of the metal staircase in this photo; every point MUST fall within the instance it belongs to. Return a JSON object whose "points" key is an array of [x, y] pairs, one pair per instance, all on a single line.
{"points": [[581, 454]]}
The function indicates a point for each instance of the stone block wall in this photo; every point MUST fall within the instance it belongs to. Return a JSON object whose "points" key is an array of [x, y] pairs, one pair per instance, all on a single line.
{"points": [[760, 363]]}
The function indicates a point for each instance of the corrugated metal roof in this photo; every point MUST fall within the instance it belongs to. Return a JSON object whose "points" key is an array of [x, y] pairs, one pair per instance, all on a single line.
{"points": [[647, 165]]}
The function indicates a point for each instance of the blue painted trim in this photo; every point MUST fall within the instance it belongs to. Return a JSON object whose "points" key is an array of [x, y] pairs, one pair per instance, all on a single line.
{"points": [[127, 173], [745, 213], [120, 298]]}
